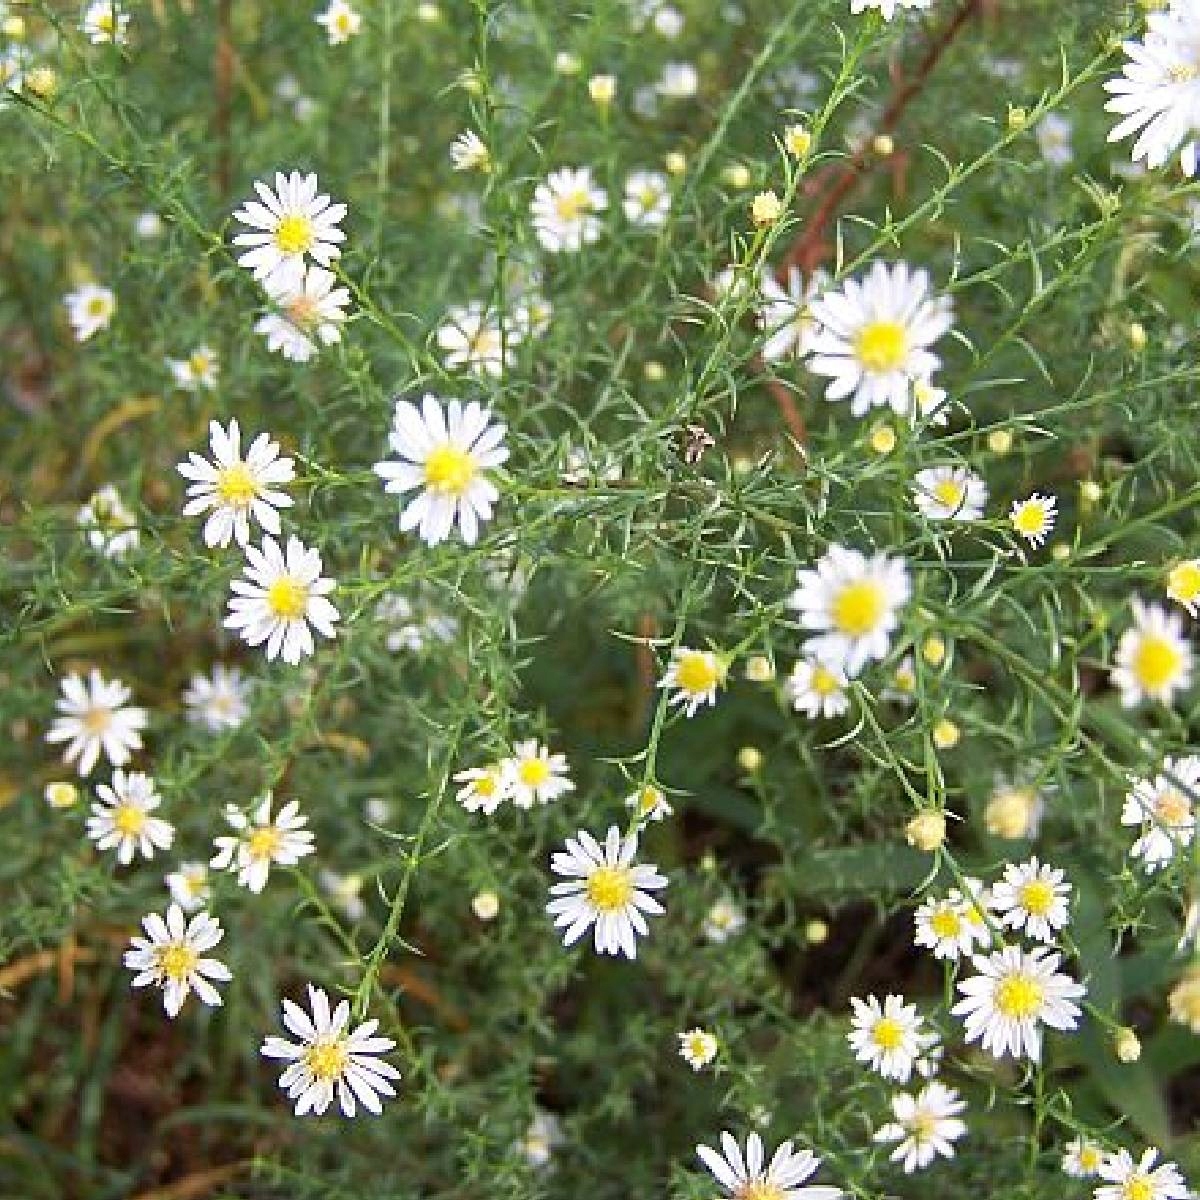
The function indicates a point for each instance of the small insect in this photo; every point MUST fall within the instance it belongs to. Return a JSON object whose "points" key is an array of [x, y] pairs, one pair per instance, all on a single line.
{"points": [[694, 441]]}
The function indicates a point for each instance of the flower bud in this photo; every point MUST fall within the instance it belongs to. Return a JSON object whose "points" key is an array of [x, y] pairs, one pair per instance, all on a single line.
{"points": [[926, 831]]}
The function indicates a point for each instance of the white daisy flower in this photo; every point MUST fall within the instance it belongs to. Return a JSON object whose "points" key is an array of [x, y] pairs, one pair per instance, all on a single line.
{"points": [[948, 927], [472, 338], [260, 841], [606, 889], [220, 700], [540, 1139], [1015, 993], [1034, 898], [746, 1177], [723, 920], [888, 8], [928, 404], [564, 210], [786, 315], [445, 453], [280, 596], [874, 337], [105, 21], [693, 676], [1082, 1158], [111, 528], [197, 372], [340, 21], [649, 804], [647, 198], [1033, 518], [345, 891], [679, 81], [170, 956], [698, 1047], [469, 152], [290, 222], [410, 630], [817, 690], [90, 308], [121, 817], [1163, 809], [532, 314], [1153, 659], [1157, 94], [536, 775], [949, 494], [851, 602], [308, 311], [331, 1059], [483, 789], [1141, 1180], [232, 489], [1053, 133], [886, 1037], [189, 886], [97, 716], [926, 1125], [1183, 584]]}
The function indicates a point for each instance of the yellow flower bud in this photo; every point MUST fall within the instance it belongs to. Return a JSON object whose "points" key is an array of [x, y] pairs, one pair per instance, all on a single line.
{"points": [[946, 734], [816, 932], [42, 82], [654, 371], [1127, 1045], [883, 145], [766, 208], [759, 669], [1018, 118], [750, 759], [486, 905], [675, 162], [1013, 813], [736, 175], [61, 794], [883, 439], [1000, 441], [797, 140], [926, 831], [933, 650], [602, 89], [1137, 337]]}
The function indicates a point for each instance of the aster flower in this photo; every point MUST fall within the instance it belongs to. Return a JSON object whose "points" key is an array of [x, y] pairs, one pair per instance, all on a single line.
{"points": [[606, 890], [220, 700], [786, 315], [110, 526], [90, 308], [1127, 1179], [536, 775], [647, 200], [170, 956], [949, 927], [121, 818], [471, 338], [564, 210], [874, 337], [1034, 898], [1015, 993], [288, 223], [1033, 518], [852, 603], [1163, 809], [817, 690], [679, 81], [749, 1177], [483, 789], [698, 1047], [1183, 584], [723, 920], [105, 21], [1082, 1158], [693, 677], [445, 452], [96, 716], [648, 804], [308, 311], [1157, 94], [331, 1059], [1053, 133], [340, 21], [468, 152], [1153, 659], [888, 8], [925, 1126], [232, 489], [949, 494], [260, 841], [197, 372], [189, 886], [280, 597], [887, 1037], [540, 1139]]}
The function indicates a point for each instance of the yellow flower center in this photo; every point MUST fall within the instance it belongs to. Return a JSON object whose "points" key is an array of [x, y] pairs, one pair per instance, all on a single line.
{"points": [[534, 772], [97, 720], [485, 344], [1031, 518], [177, 961], [1173, 808], [648, 800], [236, 486], [570, 206], [1037, 896], [1138, 1187], [921, 1126], [1019, 997], [294, 234], [949, 493], [881, 346], [759, 1189], [945, 922], [1089, 1158], [342, 21], [106, 22], [859, 607], [888, 1033], [264, 842], [697, 673], [287, 598], [609, 888], [1183, 73], [1183, 582], [199, 364], [128, 819], [326, 1059], [1156, 662], [905, 680], [449, 470], [97, 306], [824, 682], [698, 1045], [486, 785], [302, 312]]}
